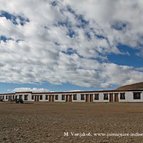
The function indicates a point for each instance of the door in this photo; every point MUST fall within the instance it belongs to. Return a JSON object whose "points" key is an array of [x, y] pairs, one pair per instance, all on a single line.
{"points": [[36, 98], [87, 97], [66, 98], [50, 98], [91, 97], [70, 98], [111, 97], [116, 97]]}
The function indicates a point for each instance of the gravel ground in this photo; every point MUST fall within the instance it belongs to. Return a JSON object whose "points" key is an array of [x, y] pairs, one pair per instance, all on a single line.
{"points": [[47, 123]]}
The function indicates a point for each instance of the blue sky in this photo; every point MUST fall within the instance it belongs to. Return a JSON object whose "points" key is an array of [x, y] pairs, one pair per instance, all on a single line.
{"points": [[130, 59], [69, 45]]}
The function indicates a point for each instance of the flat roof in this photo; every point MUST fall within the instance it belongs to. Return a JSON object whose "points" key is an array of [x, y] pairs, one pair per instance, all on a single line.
{"points": [[71, 92]]}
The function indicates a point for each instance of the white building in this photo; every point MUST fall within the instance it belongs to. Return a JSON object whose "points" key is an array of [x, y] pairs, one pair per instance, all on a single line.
{"points": [[77, 96]]}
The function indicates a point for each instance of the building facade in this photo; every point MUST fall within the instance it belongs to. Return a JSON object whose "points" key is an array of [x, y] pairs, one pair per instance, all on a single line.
{"points": [[76, 96]]}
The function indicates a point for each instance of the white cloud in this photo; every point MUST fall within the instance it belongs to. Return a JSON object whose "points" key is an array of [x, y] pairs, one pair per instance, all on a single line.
{"points": [[40, 54], [30, 89]]}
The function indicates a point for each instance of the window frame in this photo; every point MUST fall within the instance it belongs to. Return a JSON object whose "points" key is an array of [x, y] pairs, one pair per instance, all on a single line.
{"points": [[63, 97], [122, 96], [26, 97], [56, 97], [32, 97], [41, 97], [82, 97], [46, 97], [74, 96], [96, 95], [137, 94], [105, 95]]}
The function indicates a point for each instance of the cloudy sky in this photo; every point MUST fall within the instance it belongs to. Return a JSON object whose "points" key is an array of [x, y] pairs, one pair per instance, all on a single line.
{"points": [[70, 45]]}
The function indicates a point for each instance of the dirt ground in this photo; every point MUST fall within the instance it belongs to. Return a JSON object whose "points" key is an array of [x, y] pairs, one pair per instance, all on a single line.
{"points": [[71, 123]]}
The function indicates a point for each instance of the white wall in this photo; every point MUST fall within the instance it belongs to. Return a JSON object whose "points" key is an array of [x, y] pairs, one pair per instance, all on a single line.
{"points": [[5, 98], [79, 98], [60, 98], [101, 98], [29, 96], [129, 97], [43, 98]]}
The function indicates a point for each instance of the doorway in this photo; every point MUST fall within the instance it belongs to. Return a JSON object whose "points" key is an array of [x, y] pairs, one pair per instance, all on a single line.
{"points": [[36, 98], [116, 99], [111, 97], [51, 98], [91, 97], [87, 98], [68, 98]]}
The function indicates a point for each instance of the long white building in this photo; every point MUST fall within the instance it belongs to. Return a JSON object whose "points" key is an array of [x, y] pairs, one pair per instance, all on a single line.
{"points": [[76, 96]]}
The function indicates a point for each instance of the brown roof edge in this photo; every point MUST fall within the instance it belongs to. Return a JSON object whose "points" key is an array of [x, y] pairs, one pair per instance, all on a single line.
{"points": [[23, 92], [7, 93], [69, 92]]}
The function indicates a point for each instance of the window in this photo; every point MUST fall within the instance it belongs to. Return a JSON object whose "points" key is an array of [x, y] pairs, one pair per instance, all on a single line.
{"points": [[25, 97], [9, 97], [74, 97], [46, 97], [6, 97], [122, 96], [1, 97], [41, 97], [82, 96], [20, 96], [32, 97], [137, 95], [105, 96], [56, 97], [63, 97], [96, 97]]}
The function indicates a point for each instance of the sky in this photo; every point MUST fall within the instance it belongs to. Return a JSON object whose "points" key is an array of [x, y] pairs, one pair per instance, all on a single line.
{"points": [[64, 45]]}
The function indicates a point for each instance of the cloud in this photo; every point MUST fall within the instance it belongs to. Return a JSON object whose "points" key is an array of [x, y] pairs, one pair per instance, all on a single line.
{"points": [[120, 13], [30, 89], [14, 19], [69, 41]]}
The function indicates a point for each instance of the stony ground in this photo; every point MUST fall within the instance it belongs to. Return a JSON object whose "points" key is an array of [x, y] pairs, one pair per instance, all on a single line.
{"points": [[47, 123]]}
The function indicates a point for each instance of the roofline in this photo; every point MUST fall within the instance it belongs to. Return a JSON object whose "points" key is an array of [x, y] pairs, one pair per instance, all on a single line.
{"points": [[7, 93], [70, 92], [85, 91], [23, 92]]}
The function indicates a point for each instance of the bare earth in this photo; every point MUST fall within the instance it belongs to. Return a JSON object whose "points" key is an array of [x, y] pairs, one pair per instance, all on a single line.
{"points": [[46, 123]]}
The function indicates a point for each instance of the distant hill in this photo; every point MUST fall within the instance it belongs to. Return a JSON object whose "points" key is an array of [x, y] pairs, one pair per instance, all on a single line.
{"points": [[134, 86]]}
